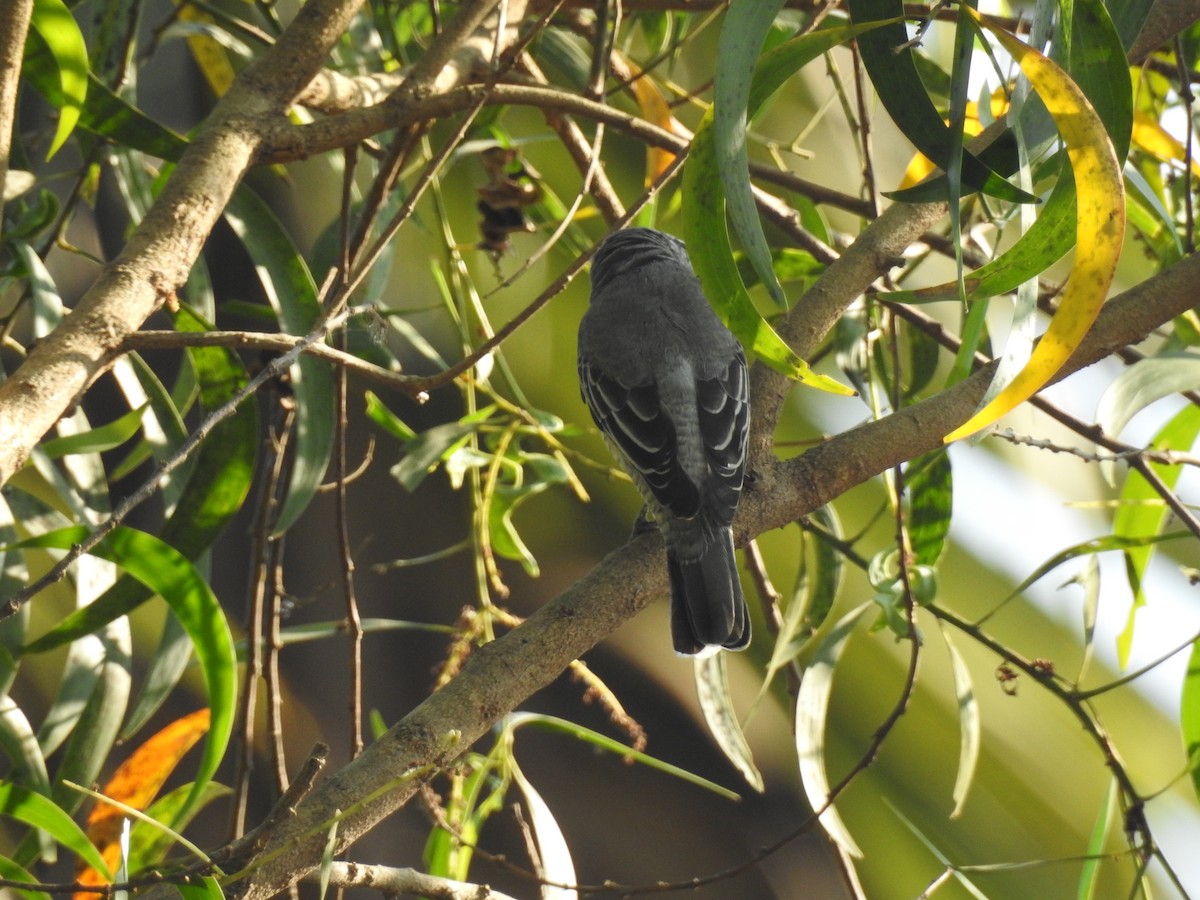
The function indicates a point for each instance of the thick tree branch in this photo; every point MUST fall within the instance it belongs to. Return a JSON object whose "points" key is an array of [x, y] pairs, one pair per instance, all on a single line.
{"points": [[500, 676], [14, 25]]}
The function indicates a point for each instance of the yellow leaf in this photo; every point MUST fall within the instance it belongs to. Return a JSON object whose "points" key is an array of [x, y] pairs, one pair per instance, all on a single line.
{"points": [[1100, 206], [654, 108], [136, 783], [210, 56], [1150, 136]]}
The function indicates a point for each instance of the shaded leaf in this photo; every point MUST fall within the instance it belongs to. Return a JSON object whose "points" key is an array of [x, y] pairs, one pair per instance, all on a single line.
{"points": [[105, 113], [744, 29], [292, 293], [1097, 65], [1141, 384], [219, 483], [557, 866], [13, 872], [716, 703], [900, 89], [812, 714], [708, 246], [930, 500], [167, 573], [969, 728]]}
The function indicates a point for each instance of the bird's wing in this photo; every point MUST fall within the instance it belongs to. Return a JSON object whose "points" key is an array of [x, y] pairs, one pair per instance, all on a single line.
{"points": [[724, 410], [636, 423]]}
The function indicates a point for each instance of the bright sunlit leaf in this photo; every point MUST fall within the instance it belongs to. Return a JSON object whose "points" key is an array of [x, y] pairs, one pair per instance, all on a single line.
{"points": [[712, 257], [1189, 715], [1100, 228], [54, 23], [40, 812]]}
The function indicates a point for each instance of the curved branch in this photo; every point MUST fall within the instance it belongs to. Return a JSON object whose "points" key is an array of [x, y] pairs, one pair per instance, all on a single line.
{"points": [[287, 142]]}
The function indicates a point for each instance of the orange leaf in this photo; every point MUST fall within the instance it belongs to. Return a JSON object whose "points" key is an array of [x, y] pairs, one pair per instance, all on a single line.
{"points": [[655, 109], [136, 783]]}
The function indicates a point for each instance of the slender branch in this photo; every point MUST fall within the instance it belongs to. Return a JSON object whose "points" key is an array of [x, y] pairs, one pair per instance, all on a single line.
{"points": [[287, 142], [391, 881]]}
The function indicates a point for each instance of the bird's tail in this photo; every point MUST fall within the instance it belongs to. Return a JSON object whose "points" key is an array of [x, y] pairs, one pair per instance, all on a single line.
{"points": [[707, 606]]}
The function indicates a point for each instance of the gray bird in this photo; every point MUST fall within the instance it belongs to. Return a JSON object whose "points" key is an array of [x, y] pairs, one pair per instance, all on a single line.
{"points": [[666, 383]]}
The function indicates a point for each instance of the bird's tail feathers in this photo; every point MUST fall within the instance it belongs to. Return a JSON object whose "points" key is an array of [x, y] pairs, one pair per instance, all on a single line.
{"points": [[707, 606]]}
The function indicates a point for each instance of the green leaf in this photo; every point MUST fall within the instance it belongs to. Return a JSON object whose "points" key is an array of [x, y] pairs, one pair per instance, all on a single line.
{"points": [[1142, 514], [745, 27], [428, 449], [1089, 876], [54, 22], [204, 888], [1189, 715], [1099, 227], [99, 439], [215, 491], [817, 583], [900, 89], [603, 742], [930, 488], [812, 715], [105, 113], [378, 413], [33, 809], [148, 844], [1097, 65], [13, 872], [708, 246], [290, 288], [716, 702], [14, 575], [543, 471], [21, 746], [168, 574], [743, 84], [167, 666], [1141, 384], [969, 729], [1105, 544]]}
